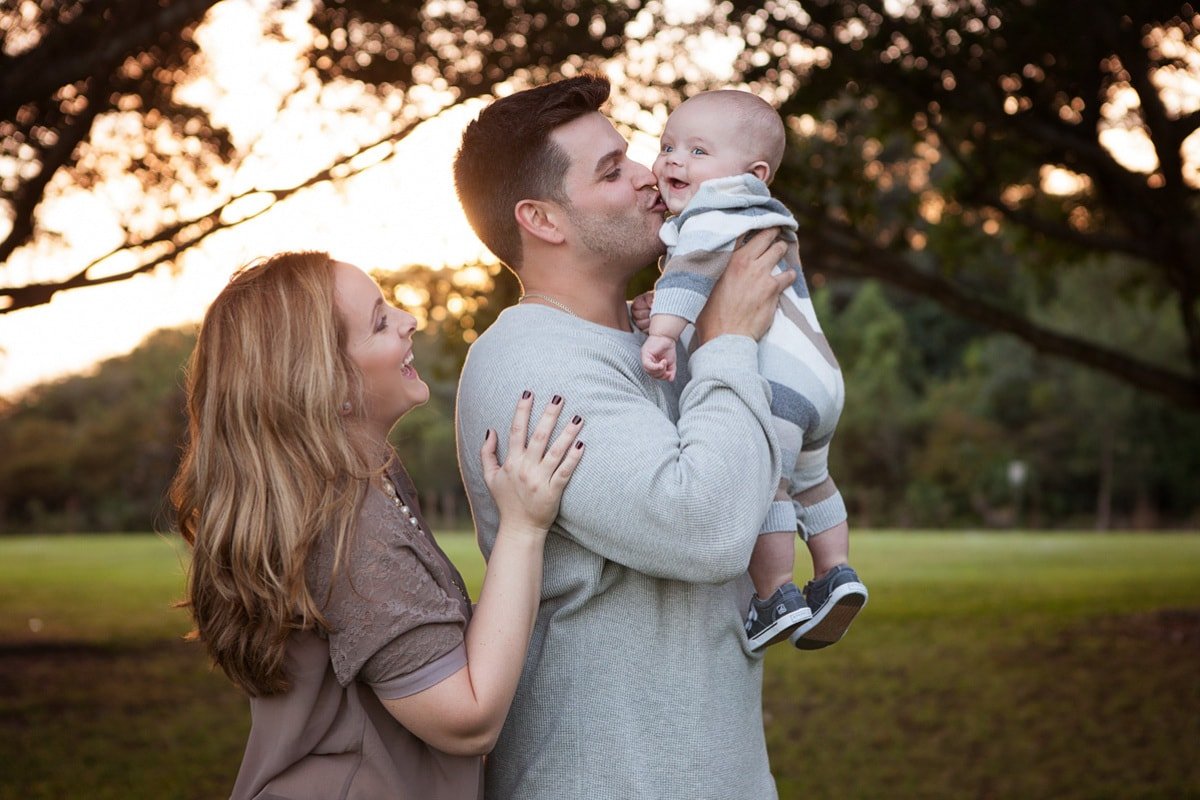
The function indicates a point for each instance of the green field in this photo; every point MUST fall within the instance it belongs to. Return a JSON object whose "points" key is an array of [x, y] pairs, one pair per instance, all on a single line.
{"points": [[987, 665]]}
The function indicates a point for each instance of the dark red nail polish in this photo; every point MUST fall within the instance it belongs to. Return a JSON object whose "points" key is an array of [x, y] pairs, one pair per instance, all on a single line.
{"points": [[525, 395], [579, 445], [578, 419], [556, 399]]}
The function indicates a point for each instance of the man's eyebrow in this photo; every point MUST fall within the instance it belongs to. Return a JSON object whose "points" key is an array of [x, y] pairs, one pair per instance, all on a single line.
{"points": [[613, 155]]}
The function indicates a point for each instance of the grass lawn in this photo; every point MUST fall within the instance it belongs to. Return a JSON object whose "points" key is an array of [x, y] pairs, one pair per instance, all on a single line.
{"points": [[987, 665]]}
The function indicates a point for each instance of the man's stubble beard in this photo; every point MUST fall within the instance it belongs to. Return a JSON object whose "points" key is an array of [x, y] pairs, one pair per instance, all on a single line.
{"points": [[609, 238]]}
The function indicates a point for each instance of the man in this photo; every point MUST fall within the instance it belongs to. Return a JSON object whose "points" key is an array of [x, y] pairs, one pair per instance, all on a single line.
{"points": [[638, 682]]}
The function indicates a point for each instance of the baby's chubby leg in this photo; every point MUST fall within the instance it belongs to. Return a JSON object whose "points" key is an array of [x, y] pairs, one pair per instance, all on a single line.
{"points": [[772, 562], [828, 548], [778, 606], [835, 595]]}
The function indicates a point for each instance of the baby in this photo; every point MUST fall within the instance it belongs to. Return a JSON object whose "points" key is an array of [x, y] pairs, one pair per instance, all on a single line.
{"points": [[719, 151]]}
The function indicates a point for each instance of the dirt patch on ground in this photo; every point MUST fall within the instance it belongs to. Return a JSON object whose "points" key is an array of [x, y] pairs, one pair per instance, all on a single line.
{"points": [[1172, 626], [38, 679]]}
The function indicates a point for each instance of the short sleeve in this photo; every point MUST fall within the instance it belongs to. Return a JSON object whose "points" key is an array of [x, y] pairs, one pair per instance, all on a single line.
{"points": [[383, 671], [389, 616]]}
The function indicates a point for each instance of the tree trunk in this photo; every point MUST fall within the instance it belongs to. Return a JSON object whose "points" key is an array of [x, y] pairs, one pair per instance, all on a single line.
{"points": [[1105, 484]]}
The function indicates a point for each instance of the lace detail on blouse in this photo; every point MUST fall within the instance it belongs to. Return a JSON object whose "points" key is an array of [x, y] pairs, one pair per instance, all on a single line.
{"points": [[397, 604]]}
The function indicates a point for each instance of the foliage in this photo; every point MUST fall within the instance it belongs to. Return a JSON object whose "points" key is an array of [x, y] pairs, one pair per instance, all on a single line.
{"points": [[452, 306], [937, 415], [75, 114], [922, 447], [967, 149], [960, 150], [96, 452]]}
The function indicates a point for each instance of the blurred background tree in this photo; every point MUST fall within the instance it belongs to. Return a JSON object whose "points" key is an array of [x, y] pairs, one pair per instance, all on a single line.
{"points": [[95, 452], [990, 195]]}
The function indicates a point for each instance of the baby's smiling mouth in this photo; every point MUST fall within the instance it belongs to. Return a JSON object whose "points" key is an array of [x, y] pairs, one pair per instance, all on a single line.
{"points": [[677, 184]]}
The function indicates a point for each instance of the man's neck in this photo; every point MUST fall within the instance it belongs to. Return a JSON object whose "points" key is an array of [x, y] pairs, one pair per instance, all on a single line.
{"points": [[606, 308], [580, 294]]}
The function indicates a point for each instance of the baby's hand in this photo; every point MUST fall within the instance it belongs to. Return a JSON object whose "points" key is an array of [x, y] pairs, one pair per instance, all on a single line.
{"points": [[640, 310], [658, 357]]}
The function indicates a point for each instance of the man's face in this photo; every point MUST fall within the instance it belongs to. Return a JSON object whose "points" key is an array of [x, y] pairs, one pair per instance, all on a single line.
{"points": [[613, 204]]}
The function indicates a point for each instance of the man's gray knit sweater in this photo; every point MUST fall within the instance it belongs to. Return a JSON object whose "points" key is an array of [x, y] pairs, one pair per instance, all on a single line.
{"points": [[638, 684]]}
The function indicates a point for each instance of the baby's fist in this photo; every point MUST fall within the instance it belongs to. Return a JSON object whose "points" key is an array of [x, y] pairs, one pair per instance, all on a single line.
{"points": [[640, 310], [658, 357]]}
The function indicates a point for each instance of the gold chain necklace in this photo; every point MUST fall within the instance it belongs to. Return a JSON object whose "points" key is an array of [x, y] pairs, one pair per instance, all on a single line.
{"points": [[549, 300]]}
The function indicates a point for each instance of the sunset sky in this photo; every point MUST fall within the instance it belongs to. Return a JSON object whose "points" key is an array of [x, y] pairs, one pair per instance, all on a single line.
{"points": [[401, 211]]}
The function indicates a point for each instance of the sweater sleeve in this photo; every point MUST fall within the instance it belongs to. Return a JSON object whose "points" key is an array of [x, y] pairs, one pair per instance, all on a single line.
{"points": [[677, 499]]}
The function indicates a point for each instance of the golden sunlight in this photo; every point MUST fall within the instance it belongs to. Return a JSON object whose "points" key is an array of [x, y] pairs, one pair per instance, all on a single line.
{"points": [[399, 212]]}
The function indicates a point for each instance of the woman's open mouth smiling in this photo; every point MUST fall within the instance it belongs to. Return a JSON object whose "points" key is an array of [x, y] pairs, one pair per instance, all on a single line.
{"points": [[407, 369]]}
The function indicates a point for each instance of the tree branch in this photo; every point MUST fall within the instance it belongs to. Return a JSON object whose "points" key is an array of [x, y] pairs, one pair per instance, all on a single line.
{"points": [[31, 192], [184, 235], [840, 249]]}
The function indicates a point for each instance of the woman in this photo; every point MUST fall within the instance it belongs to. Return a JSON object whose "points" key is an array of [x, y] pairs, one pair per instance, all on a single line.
{"points": [[314, 581]]}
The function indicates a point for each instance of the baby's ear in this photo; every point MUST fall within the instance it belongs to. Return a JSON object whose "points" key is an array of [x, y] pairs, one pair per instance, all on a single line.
{"points": [[761, 170]]}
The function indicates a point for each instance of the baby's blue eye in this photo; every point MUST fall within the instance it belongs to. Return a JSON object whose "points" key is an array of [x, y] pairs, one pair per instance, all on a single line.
{"points": [[666, 148], [698, 151]]}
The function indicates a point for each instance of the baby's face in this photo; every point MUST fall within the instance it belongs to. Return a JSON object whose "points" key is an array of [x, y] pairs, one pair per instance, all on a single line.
{"points": [[702, 140]]}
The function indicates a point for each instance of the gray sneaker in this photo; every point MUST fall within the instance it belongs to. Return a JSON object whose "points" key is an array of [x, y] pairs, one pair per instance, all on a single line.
{"points": [[835, 601], [773, 619]]}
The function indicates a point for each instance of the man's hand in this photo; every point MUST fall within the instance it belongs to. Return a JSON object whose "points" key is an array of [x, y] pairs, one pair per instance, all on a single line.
{"points": [[743, 301], [658, 357]]}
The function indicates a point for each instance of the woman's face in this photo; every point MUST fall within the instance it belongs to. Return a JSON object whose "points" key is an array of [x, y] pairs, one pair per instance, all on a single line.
{"points": [[379, 341]]}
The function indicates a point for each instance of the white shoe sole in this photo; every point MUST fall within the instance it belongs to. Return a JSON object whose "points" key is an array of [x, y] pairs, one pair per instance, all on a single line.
{"points": [[830, 622], [781, 628]]}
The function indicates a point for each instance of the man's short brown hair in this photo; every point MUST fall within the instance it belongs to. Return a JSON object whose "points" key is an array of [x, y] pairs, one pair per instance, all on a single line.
{"points": [[506, 156]]}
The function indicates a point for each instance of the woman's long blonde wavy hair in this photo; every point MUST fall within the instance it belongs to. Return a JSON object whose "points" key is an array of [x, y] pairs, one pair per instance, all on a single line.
{"points": [[270, 463]]}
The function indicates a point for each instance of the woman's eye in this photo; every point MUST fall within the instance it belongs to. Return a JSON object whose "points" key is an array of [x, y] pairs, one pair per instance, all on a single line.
{"points": [[612, 176], [382, 324]]}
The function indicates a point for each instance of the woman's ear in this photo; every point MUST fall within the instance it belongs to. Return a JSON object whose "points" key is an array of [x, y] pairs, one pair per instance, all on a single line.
{"points": [[761, 170], [541, 219]]}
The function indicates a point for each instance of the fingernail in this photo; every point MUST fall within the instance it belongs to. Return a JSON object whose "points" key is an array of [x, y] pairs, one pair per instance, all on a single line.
{"points": [[579, 445], [525, 395], [556, 399], [487, 435], [577, 419]]}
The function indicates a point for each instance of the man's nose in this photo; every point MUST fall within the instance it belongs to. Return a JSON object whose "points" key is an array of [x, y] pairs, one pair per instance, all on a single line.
{"points": [[642, 176]]}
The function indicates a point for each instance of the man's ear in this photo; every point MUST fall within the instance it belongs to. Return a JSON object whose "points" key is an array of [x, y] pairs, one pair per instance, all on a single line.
{"points": [[760, 170], [541, 219]]}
